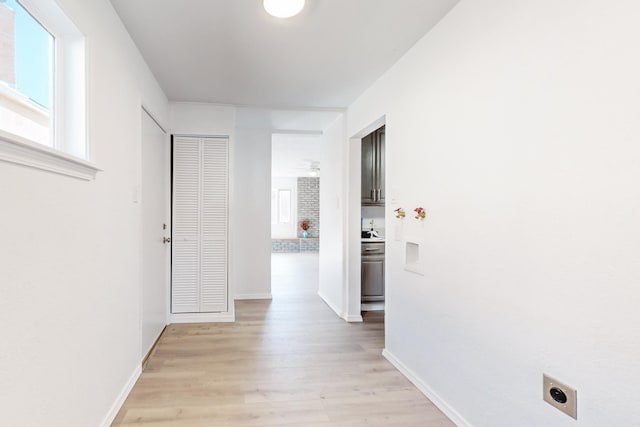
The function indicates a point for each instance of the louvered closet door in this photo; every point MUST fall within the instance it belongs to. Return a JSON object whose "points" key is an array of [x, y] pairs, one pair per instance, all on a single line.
{"points": [[185, 247], [213, 278], [200, 216]]}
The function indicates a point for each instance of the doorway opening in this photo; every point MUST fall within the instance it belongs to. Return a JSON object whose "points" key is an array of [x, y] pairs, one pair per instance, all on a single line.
{"points": [[367, 180], [295, 193], [373, 196]]}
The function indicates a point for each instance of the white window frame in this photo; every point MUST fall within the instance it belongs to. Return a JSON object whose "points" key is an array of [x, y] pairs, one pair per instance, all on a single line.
{"points": [[284, 230], [276, 219], [69, 154]]}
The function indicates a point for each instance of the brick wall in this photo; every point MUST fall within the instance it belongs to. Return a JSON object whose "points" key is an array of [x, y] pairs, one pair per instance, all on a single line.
{"points": [[285, 245], [309, 245], [295, 245], [309, 204]]}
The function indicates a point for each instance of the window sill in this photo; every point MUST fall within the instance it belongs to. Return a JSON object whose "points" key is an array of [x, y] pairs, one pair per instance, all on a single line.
{"points": [[14, 149]]}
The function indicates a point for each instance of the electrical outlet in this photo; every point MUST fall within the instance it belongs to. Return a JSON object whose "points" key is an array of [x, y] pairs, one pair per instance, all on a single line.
{"points": [[560, 396]]}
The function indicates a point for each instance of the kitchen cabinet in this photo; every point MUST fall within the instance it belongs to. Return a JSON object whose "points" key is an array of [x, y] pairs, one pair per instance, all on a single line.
{"points": [[373, 191], [372, 272]]}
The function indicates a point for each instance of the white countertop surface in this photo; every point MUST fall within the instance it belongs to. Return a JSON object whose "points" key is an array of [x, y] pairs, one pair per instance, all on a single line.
{"points": [[372, 240]]}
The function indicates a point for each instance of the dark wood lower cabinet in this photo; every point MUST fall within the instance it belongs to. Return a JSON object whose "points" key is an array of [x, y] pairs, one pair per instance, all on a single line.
{"points": [[372, 272]]}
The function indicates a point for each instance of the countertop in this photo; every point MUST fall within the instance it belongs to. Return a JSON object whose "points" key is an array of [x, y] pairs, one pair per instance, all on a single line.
{"points": [[372, 240]]}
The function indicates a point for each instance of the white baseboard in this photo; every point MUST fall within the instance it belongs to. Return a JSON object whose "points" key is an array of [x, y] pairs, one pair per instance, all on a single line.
{"points": [[340, 313], [201, 317], [331, 305], [353, 318], [113, 411], [426, 390], [252, 296]]}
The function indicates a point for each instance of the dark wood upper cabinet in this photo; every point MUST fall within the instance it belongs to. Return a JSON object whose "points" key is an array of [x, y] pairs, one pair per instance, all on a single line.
{"points": [[373, 191]]}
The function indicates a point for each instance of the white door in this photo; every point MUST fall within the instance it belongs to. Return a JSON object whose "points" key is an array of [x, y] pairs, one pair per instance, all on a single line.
{"points": [[200, 224], [155, 209]]}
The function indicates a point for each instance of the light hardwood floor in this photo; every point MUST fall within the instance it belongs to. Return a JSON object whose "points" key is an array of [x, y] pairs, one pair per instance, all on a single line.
{"points": [[286, 362]]}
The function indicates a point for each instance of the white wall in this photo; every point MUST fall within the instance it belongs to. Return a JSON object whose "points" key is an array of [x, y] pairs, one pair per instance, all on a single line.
{"points": [[252, 236], [332, 217], [195, 118], [71, 250], [515, 125], [249, 193]]}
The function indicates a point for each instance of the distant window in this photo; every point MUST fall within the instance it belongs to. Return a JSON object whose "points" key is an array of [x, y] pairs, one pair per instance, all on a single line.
{"points": [[281, 206], [42, 77], [284, 206]]}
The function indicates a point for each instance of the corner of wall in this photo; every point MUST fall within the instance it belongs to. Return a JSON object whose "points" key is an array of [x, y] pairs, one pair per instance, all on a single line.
{"points": [[332, 305], [424, 388]]}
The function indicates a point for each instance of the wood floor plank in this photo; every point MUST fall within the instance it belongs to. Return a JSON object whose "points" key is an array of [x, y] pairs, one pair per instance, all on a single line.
{"points": [[286, 362]]}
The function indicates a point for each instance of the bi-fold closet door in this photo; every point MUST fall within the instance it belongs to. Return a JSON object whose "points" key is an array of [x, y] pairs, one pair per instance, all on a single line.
{"points": [[200, 224]]}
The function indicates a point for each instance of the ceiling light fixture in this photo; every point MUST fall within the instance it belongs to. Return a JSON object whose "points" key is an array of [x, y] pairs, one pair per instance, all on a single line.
{"points": [[283, 8]]}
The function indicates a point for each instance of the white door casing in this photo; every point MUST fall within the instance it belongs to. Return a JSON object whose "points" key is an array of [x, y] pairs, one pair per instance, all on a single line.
{"points": [[155, 213]]}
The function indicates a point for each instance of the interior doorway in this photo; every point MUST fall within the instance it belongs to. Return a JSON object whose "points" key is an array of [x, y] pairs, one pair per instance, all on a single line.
{"points": [[154, 199], [295, 193], [359, 219]]}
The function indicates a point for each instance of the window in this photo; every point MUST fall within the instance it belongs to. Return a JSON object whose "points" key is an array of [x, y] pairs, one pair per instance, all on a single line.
{"points": [[281, 206], [284, 206], [42, 89], [26, 75]]}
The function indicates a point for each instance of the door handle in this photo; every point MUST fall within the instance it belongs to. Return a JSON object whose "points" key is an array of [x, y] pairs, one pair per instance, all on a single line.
{"points": [[166, 240]]}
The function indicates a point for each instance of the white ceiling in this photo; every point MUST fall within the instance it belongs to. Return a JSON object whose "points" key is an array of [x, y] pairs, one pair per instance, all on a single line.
{"points": [[294, 155], [293, 121], [232, 52]]}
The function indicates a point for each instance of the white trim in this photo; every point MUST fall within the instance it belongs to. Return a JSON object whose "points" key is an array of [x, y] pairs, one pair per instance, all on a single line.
{"points": [[18, 98], [252, 296], [448, 410], [353, 318], [50, 16], [115, 408], [199, 135], [14, 149], [69, 79], [332, 306], [201, 317]]}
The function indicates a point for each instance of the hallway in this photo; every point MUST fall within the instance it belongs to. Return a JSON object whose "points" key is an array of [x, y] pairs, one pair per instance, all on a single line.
{"points": [[286, 362]]}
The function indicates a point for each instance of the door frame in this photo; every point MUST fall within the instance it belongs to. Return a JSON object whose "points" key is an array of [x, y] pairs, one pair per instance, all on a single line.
{"points": [[167, 217], [229, 315], [353, 291]]}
